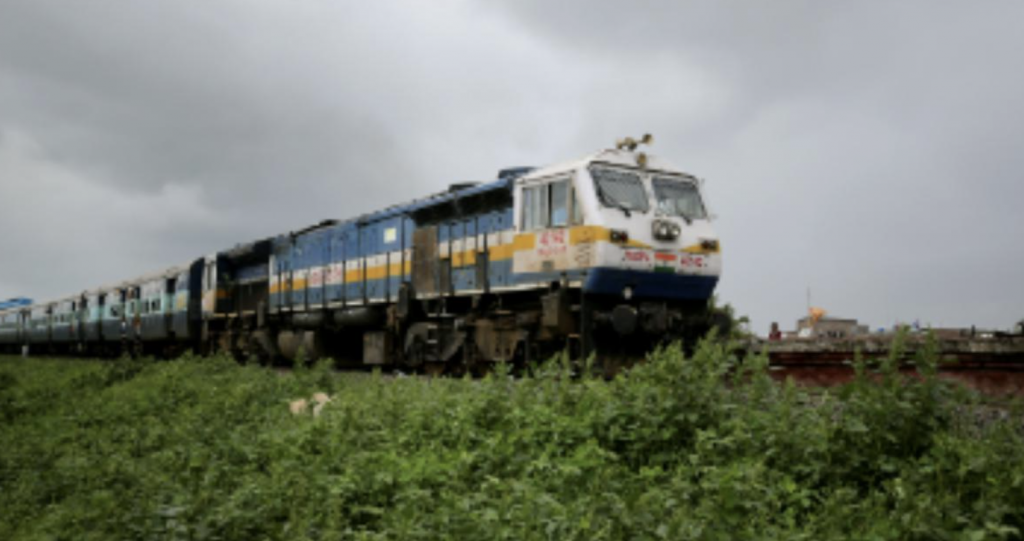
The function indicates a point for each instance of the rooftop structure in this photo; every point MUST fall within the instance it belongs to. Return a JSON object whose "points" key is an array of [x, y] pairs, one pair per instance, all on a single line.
{"points": [[829, 327], [15, 303]]}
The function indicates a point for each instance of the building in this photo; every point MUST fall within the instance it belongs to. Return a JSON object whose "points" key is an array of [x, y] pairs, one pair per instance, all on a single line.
{"points": [[829, 327], [15, 303]]}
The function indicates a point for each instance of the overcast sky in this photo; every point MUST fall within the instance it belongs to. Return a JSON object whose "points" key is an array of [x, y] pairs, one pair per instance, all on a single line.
{"points": [[871, 152]]}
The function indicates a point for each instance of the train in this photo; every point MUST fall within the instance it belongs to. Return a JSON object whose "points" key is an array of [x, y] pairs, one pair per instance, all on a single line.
{"points": [[605, 255]]}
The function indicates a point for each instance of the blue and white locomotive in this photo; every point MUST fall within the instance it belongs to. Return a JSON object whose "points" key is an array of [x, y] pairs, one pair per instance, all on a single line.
{"points": [[609, 254]]}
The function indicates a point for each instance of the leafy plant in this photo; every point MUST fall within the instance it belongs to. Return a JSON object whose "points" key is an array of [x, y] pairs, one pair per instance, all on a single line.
{"points": [[702, 446]]}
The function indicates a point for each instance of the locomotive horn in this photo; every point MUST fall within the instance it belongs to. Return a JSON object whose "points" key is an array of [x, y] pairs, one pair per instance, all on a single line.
{"points": [[630, 144]]}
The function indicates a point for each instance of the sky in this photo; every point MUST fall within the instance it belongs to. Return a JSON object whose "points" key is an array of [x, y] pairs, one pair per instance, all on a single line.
{"points": [[869, 153]]}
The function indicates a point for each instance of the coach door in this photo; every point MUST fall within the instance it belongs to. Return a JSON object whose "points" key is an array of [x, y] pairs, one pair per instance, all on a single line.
{"points": [[425, 263]]}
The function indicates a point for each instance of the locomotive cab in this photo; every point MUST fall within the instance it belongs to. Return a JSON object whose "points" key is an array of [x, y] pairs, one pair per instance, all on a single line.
{"points": [[658, 231], [631, 237]]}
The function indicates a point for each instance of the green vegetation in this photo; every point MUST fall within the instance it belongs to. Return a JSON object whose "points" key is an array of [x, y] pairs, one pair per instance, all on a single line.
{"points": [[680, 448]]}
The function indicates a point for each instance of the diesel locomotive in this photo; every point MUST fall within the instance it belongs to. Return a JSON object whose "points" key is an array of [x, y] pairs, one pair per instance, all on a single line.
{"points": [[608, 254]]}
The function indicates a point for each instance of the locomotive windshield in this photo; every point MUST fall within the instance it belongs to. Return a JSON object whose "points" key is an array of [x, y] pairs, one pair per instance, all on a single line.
{"points": [[620, 189], [678, 198]]}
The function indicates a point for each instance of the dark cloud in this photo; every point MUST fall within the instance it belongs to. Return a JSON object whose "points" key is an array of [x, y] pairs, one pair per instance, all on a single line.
{"points": [[867, 151], [135, 120]]}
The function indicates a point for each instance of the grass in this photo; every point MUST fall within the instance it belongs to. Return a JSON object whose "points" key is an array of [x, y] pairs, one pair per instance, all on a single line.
{"points": [[679, 448]]}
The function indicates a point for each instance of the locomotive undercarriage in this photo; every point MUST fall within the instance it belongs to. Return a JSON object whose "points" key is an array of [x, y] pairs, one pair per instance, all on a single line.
{"points": [[452, 335], [462, 334]]}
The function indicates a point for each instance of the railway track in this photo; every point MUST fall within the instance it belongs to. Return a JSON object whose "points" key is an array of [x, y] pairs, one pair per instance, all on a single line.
{"points": [[990, 365], [994, 365]]}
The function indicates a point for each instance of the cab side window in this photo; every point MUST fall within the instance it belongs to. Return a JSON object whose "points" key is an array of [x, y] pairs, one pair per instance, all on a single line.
{"points": [[535, 207], [552, 204], [559, 194]]}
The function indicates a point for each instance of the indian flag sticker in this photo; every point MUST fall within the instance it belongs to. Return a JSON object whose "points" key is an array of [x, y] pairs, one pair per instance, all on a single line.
{"points": [[664, 262]]}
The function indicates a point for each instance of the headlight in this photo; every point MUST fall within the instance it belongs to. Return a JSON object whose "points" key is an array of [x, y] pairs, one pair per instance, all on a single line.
{"points": [[627, 293], [665, 230]]}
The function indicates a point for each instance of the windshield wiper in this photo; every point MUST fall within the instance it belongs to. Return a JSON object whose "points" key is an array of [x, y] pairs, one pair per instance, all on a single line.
{"points": [[611, 201]]}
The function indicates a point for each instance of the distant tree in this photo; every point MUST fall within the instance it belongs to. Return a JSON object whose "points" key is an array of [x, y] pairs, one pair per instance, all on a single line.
{"points": [[728, 323]]}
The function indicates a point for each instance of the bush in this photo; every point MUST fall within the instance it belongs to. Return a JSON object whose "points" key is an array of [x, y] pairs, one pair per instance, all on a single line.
{"points": [[679, 447]]}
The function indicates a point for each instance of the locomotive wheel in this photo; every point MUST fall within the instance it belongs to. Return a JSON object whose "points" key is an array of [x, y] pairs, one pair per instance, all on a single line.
{"points": [[415, 355]]}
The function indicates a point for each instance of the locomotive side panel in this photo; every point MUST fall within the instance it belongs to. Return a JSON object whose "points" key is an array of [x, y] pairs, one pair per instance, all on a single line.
{"points": [[353, 286], [334, 272]]}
